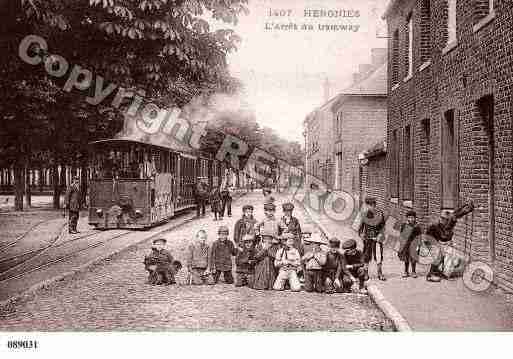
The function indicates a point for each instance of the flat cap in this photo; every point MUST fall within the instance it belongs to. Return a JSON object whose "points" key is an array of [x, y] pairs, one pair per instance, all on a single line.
{"points": [[269, 206], [334, 242], [349, 244], [223, 230], [288, 206], [247, 207], [161, 240]]}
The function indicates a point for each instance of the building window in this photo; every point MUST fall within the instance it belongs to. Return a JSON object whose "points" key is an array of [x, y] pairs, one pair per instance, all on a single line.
{"points": [[407, 168], [409, 47], [395, 57], [451, 21], [425, 31], [394, 166], [339, 124], [450, 173], [482, 8], [485, 113]]}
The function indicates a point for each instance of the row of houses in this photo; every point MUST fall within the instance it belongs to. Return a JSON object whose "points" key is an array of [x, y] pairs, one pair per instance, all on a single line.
{"points": [[447, 131]]}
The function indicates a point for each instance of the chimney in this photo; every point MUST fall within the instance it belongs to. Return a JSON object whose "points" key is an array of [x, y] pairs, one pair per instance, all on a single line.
{"points": [[378, 56], [326, 87]]}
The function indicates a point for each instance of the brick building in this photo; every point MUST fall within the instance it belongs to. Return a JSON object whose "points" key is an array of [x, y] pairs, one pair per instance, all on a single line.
{"points": [[360, 121], [449, 128], [346, 125], [373, 173]]}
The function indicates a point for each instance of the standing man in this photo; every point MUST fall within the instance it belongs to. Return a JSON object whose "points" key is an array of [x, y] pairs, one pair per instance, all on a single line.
{"points": [[200, 195], [442, 232], [72, 204], [371, 232], [226, 198]]}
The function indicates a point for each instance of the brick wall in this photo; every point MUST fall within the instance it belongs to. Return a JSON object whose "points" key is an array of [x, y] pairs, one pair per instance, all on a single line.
{"points": [[458, 78], [374, 180], [363, 124]]}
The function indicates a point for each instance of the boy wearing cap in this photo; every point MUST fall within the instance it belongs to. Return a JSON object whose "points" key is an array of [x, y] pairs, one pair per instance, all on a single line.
{"points": [[332, 269], [313, 260], [244, 225], [290, 224], [288, 262], [442, 233], [270, 224], [409, 230], [198, 260], [245, 262], [353, 267], [221, 256], [371, 228], [160, 264]]}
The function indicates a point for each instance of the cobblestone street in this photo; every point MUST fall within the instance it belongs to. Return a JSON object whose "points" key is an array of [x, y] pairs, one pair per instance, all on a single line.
{"points": [[113, 296]]}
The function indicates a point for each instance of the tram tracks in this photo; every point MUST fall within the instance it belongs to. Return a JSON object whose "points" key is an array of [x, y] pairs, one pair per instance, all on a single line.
{"points": [[23, 235], [57, 259], [25, 267]]}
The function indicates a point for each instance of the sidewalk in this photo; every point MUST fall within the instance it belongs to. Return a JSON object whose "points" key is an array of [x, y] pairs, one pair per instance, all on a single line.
{"points": [[427, 306]]}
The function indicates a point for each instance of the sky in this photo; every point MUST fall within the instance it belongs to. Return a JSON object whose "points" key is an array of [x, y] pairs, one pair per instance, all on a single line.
{"points": [[283, 71]]}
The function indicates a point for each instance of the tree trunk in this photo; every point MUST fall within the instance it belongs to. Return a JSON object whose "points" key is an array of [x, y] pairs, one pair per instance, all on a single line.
{"points": [[56, 187], [19, 186], [83, 184], [28, 191]]}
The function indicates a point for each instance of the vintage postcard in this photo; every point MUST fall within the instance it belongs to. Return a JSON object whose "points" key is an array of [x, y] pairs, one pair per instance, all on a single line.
{"points": [[184, 166]]}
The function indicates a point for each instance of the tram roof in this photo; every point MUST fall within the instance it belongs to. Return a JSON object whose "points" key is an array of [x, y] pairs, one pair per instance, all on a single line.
{"points": [[179, 148]]}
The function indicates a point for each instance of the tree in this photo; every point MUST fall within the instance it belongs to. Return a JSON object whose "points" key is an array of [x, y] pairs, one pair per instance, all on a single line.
{"points": [[163, 48]]}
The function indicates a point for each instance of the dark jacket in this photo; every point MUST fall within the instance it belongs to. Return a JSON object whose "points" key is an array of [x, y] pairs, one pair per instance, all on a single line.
{"points": [[413, 232], [215, 200], [221, 254], [162, 259], [243, 226], [290, 226], [245, 261], [346, 259], [370, 230], [72, 198], [440, 232]]}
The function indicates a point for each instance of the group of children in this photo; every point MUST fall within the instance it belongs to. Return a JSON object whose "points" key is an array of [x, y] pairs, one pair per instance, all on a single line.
{"points": [[271, 254]]}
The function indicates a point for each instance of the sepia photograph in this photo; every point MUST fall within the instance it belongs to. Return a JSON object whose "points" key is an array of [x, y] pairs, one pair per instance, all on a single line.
{"points": [[255, 171]]}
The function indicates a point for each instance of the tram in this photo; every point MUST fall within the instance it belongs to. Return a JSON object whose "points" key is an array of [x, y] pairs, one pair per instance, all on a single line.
{"points": [[136, 185]]}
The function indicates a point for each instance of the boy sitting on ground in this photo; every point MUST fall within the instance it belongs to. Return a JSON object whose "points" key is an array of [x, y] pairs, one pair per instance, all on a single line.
{"points": [[160, 264], [313, 261], [353, 267], [198, 260], [288, 261]]}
